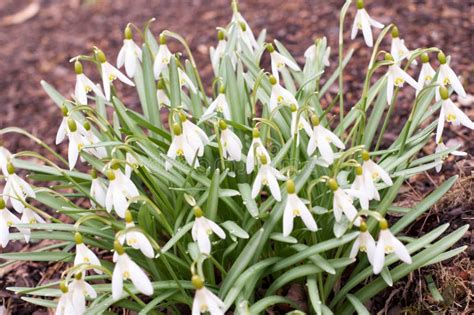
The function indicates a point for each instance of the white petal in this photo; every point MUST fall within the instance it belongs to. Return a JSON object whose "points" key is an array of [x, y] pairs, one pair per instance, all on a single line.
{"points": [[140, 279], [117, 282]]}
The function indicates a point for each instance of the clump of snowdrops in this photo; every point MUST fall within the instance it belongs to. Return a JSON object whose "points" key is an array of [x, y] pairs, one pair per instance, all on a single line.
{"points": [[240, 193]]}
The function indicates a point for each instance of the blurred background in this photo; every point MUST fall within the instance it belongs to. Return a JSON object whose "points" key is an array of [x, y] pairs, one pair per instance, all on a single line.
{"points": [[38, 37]]}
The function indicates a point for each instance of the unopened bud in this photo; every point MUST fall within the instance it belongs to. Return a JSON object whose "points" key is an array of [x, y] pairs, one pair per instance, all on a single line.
{"points": [[290, 186], [443, 92], [177, 129], [332, 184], [383, 224], [425, 58], [197, 282], [442, 58], [78, 67], [71, 124], [365, 155], [198, 212], [128, 32]]}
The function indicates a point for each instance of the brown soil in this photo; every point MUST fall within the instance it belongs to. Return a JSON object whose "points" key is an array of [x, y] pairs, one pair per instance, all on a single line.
{"points": [[40, 47]]}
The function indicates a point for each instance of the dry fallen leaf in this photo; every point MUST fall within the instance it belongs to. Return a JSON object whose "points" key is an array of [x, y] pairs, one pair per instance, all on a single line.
{"points": [[27, 13]]}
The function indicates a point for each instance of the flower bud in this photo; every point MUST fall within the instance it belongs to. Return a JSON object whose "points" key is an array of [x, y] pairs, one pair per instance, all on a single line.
{"points": [[272, 79], [332, 184], [78, 238], [162, 39], [442, 58], [255, 132], [110, 175], [365, 155], [222, 125], [222, 89], [99, 54], [270, 48], [2, 203], [383, 224], [177, 129], [128, 216], [358, 170], [363, 226], [315, 120], [198, 212], [197, 282], [443, 92], [290, 186], [425, 58], [78, 67], [118, 247], [395, 32], [127, 33], [64, 111], [10, 168], [388, 57], [220, 35], [360, 4], [71, 124]]}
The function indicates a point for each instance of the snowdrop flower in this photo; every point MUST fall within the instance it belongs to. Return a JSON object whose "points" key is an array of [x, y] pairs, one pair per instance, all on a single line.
{"points": [[16, 189], [84, 255], [365, 187], [205, 300], [397, 77], [62, 130], [298, 123], [194, 135], [76, 142], [218, 52], [231, 144], [387, 244], [65, 305], [280, 95], [110, 73], [398, 50], [135, 238], [132, 164], [245, 33], [29, 217], [130, 54], [219, 105], [363, 22], [372, 172], [427, 72], [184, 80], [163, 57], [310, 54], [442, 147], [78, 289], [5, 157], [451, 113], [121, 190], [364, 243], [279, 62], [267, 176], [89, 138], [342, 203], [295, 207], [126, 268], [161, 96], [202, 229], [180, 146], [321, 138], [98, 190], [256, 147], [447, 76], [84, 85], [7, 219]]}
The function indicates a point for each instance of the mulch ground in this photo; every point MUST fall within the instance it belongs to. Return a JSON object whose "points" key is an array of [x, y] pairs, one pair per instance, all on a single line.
{"points": [[40, 47]]}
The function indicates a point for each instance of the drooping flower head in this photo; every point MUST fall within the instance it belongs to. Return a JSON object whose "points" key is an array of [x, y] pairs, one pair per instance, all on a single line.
{"points": [[342, 204], [427, 72], [230, 142], [7, 219], [440, 147], [120, 191], [279, 62], [321, 139], [363, 22], [135, 238], [78, 290], [219, 105], [398, 49], [84, 255], [267, 176], [396, 77], [364, 243], [84, 85], [202, 229], [295, 207], [205, 300], [256, 149], [279, 95], [447, 77], [163, 57], [130, 54], [16, 189]]}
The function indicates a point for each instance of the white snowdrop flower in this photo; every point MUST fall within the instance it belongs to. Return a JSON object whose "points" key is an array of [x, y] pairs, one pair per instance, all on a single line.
{"points": [[89, 138], [280, 95], [363, 22], [121, 189], [442, 147], [295, 207], [79, 289], [427, 73], [342, 203], [135, 238], [321, 139], [398, 50], [298, 123], [84, 255], [84, 85], [180, 146], [279, 62], [65, 305], [163, 57], [184, 80], [397, 77], [110, 73], [447, 76], [7, 219], [256, 149], [364, 243], [267, 176], [162, 98], [76, 142], [231, 144], [204, 300], [5, 157], [202, 229], [387, 244], [98, 190], [310, 54], [29, 217], [365, 187], [132, 164], [451, 113], [62, 130], [372, 171], [16, 189], [218, 52], [219, 105], [245, 32], [194, 135], [126, 268], [130, 54]]}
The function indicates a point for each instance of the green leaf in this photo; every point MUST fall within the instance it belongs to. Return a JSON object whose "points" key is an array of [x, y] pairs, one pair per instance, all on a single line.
{"points": [[359, 307], [175, 86], [38, 256], [234, 229], [213, 197], [248, 201]]}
